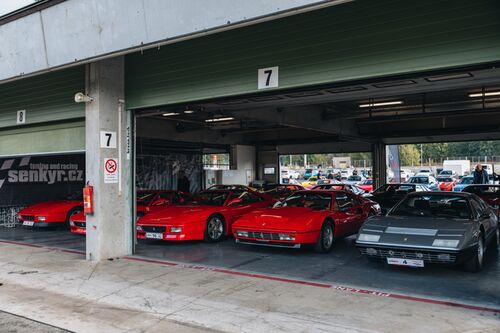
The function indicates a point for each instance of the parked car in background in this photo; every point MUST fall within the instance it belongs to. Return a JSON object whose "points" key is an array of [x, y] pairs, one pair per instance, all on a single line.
{"points": [[208, 217], [336, 186], [405, 174], [389, 195], [147, 201], [489, 193], [425, 172], [446, 183], [51, 213], [432, 228], [428, 181], [366, 185], [448, 173], [310, 182], [314, 218], [463, 183], [354, 179], [307, 174]]}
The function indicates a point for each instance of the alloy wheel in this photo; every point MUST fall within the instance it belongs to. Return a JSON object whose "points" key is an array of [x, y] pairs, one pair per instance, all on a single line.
{"points": [[215, 228]]}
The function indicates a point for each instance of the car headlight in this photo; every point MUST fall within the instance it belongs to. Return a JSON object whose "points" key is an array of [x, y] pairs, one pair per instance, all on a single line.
{"points": [[368, 238], [175, 229], [242, 233], [71, 223], [445, 243], [377, 207], [139, 228], [286, 237], [41, 218]]}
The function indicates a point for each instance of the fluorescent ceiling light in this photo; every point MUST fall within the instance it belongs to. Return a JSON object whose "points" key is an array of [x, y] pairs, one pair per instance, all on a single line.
{"points": [[170, 114], [485, 94], [188, 111], [213, 120], [369, 105], [448, 77]]}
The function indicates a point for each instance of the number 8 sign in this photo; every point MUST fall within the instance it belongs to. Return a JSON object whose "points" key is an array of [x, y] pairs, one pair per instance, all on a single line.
{"points": [[268, 77]]}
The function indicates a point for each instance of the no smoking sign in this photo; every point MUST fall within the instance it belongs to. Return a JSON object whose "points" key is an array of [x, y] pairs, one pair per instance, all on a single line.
{"points": [[110, 171]]}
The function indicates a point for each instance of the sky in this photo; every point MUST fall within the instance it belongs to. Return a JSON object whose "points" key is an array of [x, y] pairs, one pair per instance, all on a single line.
{"points": [[7, 6]]}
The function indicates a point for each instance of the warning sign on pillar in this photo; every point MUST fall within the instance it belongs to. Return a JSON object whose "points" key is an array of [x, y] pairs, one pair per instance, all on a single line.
{"points": [[110, 171]]}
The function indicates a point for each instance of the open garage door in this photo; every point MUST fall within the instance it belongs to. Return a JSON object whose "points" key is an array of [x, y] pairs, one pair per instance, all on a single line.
{"points": [[42, 160]]}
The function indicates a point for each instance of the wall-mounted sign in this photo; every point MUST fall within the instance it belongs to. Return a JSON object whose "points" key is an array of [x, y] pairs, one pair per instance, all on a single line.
{"points": [[268, 77], [110, 171], [21, 117], [108, 139]]}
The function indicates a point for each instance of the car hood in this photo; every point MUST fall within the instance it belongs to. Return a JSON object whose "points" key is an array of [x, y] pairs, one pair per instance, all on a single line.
{"points": [[418, 231], [49, 206], [178, 214], [295, 219]]}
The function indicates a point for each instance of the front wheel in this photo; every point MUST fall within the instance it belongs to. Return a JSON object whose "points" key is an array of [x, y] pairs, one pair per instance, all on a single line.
{"points": [[326, 238], [475, 264], [73, 211], [215, 229]]}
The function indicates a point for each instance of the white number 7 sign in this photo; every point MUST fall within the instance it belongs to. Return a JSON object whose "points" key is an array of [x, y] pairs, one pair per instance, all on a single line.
{"points": [[268, 77]]}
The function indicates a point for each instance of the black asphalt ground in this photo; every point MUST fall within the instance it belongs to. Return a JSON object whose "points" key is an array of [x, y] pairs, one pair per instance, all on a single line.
{"points": [[343, 266]]}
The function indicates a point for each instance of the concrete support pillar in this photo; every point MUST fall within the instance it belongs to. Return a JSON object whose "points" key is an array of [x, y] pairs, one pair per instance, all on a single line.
{"points": [[379, 164], [109, 229]]}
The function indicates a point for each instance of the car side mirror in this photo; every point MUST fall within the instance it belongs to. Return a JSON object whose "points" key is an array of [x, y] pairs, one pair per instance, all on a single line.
{"points": [[235, 202]]}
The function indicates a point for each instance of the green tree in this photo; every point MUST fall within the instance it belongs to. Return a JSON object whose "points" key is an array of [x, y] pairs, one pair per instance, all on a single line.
{"points": [[409, 155]]}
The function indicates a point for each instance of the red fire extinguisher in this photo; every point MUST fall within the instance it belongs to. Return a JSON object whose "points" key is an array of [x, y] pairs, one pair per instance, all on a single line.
{"points": [[88, 199]]}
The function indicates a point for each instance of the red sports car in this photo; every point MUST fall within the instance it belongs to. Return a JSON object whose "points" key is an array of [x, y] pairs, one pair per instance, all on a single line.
{"points": [[366, 185], [51, 213], [314, 217], [208, 217], [446, 183], [147, 201], [281, 192]]}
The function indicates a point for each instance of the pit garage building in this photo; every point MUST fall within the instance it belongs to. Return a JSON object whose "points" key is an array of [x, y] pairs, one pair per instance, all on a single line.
{"points": [[256, 79]]}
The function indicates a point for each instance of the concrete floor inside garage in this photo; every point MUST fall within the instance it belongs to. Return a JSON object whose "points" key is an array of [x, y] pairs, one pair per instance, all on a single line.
{"points": [[344, 266]]}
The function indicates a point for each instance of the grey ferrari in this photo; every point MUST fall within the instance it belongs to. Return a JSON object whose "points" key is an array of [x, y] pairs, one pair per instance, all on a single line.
{"points": [[432, 228]]}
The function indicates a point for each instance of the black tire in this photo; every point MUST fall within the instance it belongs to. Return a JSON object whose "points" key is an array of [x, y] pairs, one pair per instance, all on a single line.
{"points": [[495, 241], [215, 229], [475, 264], [326, 239], [72, 211]]}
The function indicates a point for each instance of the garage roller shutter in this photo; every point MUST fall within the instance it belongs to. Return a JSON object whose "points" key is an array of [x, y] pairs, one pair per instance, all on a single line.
{"points": [[55, 138], [357, 40], [47, 97]]}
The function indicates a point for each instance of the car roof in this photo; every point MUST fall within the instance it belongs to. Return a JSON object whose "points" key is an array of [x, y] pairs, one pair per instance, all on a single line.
{"points": [[458, 194]]}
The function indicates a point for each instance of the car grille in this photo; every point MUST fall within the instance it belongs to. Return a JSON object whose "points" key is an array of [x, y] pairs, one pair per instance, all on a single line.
{"points": [[263, 235], [430, 257], [80, 224], [150, 228], [28, 217]]}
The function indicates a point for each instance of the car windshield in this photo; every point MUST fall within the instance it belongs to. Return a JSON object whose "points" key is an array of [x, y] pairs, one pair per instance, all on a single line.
{"points": [[394, 188], [419, 180], [434, 206], [367, 182], [144, 198], [446, 172], [215, 198], [467, 180], [316, 201], [329, 187], [354, 178], [312, 179], [444, 179]]}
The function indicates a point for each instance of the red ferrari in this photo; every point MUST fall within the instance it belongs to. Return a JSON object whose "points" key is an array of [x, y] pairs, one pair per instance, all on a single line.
{"points": [[147, 201], [281, 192], [366, 185], [51, 213], [305, 218], [446, 183], [208, 217]]}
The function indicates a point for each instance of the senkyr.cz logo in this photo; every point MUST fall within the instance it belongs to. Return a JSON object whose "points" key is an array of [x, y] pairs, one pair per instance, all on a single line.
{"points": [[45, 173]]}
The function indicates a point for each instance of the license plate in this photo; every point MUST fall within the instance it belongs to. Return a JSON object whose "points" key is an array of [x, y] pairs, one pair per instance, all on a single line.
{"points": [[28, 223], [154, 235], [405, 262]]}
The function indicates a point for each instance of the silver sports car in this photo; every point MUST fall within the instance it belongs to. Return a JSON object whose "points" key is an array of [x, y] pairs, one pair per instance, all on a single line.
{"points": [[432, 227]]}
